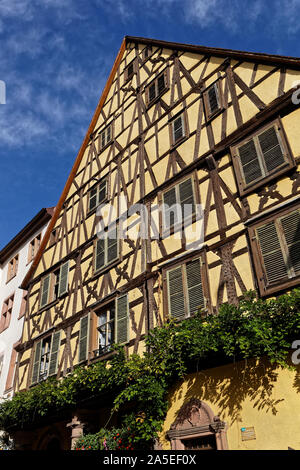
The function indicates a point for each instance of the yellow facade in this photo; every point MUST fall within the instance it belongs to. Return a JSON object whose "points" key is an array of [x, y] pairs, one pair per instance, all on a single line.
{"points": [[139, 164]]}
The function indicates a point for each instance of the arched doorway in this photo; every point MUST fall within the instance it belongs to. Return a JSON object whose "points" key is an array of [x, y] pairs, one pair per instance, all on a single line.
{"points": [[197, 428], [53, 444]]}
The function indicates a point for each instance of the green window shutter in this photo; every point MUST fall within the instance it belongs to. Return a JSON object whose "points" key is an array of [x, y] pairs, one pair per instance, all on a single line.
{"points": [[176, 293], [63, 279], [100, 254], [186, 196], [84, 338], [271, 149], [170, 216], [275, 266], [45, 291], [291, 230], [102, 191], [178, 129], [122, 319], [55, 345], [93, 199], [112, 246], [194, 286], [250, 162], [36, 362]]}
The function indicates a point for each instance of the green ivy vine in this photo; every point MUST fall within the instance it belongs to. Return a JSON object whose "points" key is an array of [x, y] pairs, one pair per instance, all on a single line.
{"points": [[138, 386]]}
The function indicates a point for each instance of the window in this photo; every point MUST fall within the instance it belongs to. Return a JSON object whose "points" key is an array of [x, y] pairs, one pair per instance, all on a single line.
{"points": [[146, 52], [111, 324], [98, 195], [106, 249], [45, 360], [12, 268], [212, 100], [156, 88], [53, 237], [178, 129], [178, 203], [129, 71], [6, 313], [105, 137], [261, 156], [185, 289], [106, 329], [276, 251], [54, 285], [33, 247]]}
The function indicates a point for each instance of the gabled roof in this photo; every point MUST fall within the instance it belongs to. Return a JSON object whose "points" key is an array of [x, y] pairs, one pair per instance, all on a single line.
{"points": [[256, 57], [38, 221], [219, 52]]}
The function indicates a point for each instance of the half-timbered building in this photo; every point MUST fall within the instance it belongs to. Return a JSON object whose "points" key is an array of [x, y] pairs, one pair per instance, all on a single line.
{"points": [[176, 124]]}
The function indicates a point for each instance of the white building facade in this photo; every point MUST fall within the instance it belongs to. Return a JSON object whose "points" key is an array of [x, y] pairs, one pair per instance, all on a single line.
{"points": [[15, 260]]}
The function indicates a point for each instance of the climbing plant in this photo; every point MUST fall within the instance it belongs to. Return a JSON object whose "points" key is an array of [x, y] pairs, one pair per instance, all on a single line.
{"points": [[138, 386]]}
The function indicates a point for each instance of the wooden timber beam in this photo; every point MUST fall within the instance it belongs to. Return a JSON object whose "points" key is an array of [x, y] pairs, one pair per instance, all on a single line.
{"points": [[79, 157]]}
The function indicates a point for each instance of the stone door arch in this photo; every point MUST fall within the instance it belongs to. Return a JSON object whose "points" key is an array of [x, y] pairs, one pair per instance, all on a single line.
{"points": [[196, 423]]}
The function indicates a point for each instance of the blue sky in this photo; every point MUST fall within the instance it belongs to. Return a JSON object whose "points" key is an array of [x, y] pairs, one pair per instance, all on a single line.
{"points": [[56, 55]]}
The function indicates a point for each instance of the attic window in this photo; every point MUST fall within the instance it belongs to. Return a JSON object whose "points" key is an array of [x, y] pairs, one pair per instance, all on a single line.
{"points": [[105, 137], [212, 100], [129, 71], [156, 88], [146, 52]]}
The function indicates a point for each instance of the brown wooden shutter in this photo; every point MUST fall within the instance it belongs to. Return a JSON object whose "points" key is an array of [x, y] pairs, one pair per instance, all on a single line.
{"points": [[161, 83], [84, 338], [45, 290], [63, 279], [274, 263], [291, 230], [151, 92], [194, 286], [176, 293], [250, 162], [100, 254], [55, 345], [271, 149], [23, 304], [36, 362], [122, 317], [213, 99]]}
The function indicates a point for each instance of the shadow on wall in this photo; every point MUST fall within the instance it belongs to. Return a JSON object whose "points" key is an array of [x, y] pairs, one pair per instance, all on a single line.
{"points": [[226, 388]]}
